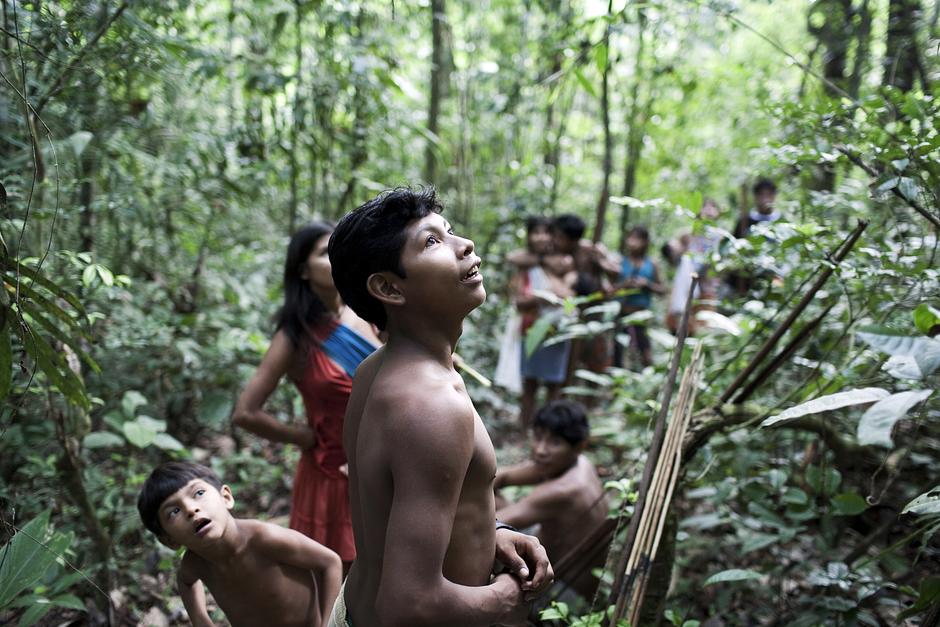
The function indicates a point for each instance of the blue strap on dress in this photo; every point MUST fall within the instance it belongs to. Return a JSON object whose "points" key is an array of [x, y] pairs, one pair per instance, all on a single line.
{"points": [[347, 348]]}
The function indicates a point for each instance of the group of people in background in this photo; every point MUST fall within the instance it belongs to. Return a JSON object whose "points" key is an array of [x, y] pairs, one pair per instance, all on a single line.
{"points": [[558, 263], [416, 495]]}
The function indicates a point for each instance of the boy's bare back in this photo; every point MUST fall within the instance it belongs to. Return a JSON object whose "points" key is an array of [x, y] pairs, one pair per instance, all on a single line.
{"points": [[431, 438], [254, 587]]}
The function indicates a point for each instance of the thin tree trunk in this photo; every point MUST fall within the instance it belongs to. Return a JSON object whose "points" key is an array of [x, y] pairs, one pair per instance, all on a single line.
{"points": [[437, 81], [297, 121], [635, 129], [601, 213], [902, 63]]}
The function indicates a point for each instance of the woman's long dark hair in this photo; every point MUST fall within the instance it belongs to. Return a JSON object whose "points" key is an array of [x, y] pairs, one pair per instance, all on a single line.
{"points": [[302, 309]]}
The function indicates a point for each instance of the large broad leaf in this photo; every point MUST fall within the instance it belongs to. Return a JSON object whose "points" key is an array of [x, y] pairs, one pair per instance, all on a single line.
{"points": [[876, 423], [139, 434], [25, 559], [733, 574], [828, 403], [926, 503], [924, 350]]}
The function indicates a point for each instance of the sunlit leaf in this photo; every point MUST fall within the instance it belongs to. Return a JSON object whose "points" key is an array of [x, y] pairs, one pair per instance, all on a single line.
{"points": [[138, 434], [828, 403], [876, 423], [102, 439], [926, 503]]}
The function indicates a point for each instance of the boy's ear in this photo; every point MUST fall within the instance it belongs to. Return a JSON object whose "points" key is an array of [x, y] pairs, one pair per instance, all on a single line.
{"points": [[227, 497], [384, 287]]}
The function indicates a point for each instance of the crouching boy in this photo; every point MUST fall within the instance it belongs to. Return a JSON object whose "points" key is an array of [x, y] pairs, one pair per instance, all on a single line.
{"points": [[567, 502], [259, 573]]}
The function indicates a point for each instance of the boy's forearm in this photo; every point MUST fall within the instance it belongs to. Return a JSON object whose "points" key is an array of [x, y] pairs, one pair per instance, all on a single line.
{"points": [[194, 600], [455, 605], [331, 581]]}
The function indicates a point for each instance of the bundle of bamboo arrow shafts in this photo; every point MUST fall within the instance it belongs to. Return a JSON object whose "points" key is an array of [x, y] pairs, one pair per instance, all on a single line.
{"points": [[625, 574], [665, 476]]}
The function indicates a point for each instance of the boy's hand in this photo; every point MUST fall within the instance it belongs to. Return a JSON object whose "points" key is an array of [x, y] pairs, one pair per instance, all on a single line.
{"points": [[517, 608], [525, 557]]}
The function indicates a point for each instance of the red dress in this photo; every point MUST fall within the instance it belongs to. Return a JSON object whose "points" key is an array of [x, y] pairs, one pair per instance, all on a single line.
{"points": [[320, 501]]}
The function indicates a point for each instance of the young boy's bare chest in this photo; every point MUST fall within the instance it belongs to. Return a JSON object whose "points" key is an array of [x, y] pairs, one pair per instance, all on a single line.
{"points": [[257, 591]]}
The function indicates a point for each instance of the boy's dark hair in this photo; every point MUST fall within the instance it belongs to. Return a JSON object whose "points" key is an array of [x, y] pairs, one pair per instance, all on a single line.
{"points": [[163, 482], [537, 222], [764, 184], [564, 418], [640, 231], [370, 240], [570, 225]]}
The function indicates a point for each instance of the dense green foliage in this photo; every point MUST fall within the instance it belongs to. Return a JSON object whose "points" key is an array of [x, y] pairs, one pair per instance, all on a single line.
{"points": [[154, 157]]}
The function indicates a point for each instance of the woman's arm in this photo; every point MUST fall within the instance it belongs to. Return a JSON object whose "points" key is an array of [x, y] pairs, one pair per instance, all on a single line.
{"points": [[249, 411]]}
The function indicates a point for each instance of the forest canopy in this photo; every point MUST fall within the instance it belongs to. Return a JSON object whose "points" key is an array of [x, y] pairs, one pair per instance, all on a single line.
{"points": [[155, 157]]}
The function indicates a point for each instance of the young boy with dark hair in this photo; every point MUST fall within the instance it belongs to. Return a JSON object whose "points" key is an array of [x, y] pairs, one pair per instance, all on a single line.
{"points": [[421, 464], [568, 500], [259, 573]]}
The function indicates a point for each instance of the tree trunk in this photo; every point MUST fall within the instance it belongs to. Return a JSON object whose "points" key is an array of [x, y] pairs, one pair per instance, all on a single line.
{"points": [[437, 82], [902, 63], [601, 212], [297, 119], [636, 129]]}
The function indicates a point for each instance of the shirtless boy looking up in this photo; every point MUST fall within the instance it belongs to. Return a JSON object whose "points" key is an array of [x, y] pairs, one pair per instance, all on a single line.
{"points": [[568, 501], [421, 464], [260, 574]]}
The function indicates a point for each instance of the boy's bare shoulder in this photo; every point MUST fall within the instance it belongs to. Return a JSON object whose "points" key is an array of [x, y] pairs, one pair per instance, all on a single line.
{"points": [[192, 567], [425, 402]]}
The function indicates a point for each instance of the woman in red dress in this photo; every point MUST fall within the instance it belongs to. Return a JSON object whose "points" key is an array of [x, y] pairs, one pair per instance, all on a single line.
{"points": [[318, 344]]}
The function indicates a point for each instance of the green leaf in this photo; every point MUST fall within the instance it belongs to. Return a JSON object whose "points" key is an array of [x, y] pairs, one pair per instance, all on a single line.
{"points": [[152, 423], [828, 403], [52, 287], [876, 423], [131, 400], [601, 54], [102, 439], [536, 334], [733, 574], [106, 276], [25, 560], [138, 434], [927, 319], [88, 275], [585, 83], [849, 504], [6, 358], [927, 503], [33, 615], [69, 601], [167, 442], [823, 482], [54, 367]]}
